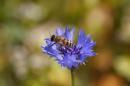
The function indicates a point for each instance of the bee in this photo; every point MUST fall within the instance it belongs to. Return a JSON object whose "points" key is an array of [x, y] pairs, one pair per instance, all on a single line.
{"points": [[62, 41]]}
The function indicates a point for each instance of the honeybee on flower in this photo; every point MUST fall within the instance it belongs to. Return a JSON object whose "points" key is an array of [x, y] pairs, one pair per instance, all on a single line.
{"points": [[69, 54]]}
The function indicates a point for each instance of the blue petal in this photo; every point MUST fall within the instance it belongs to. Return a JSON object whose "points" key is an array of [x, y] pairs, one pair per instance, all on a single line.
{"points": [[89, 46], [52, 51], [49, 50], [88, 54], [87, 49], [60, 32], [81, 38], [71, 37], [88, 39], [48, 41], [69, 61], [69, 33], [82, 57]]}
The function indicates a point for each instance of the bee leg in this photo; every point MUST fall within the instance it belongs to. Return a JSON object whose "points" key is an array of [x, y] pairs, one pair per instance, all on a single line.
{"points": [[61, 49], [52, 44], [68, 49]]}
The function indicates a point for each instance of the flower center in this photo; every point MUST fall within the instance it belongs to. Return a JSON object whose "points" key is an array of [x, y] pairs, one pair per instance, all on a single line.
{"points": [[70, 50]]}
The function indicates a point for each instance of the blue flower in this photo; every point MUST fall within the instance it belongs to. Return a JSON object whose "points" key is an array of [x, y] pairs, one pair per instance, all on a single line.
{"points": [[70, 57]]}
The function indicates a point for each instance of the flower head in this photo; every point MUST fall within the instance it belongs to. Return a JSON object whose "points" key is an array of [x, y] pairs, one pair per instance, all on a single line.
{"points": [[70, 57]]}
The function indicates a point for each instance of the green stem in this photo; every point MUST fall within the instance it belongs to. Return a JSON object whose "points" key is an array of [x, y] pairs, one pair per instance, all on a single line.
{"points": [[72, 77]]}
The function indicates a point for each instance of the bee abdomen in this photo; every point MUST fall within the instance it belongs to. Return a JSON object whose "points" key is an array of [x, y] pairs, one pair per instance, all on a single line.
{"points": [[62, 41]]}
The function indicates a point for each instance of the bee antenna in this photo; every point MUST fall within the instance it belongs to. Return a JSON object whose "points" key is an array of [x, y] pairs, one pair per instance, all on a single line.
{"points": [[50, 34]]}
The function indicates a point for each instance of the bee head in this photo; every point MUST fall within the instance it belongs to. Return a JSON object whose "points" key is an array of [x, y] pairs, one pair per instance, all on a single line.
{"points": [[53, 37]]}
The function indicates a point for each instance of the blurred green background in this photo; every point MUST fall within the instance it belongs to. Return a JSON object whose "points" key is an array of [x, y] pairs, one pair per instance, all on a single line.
{"points": [[25, 23]]}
